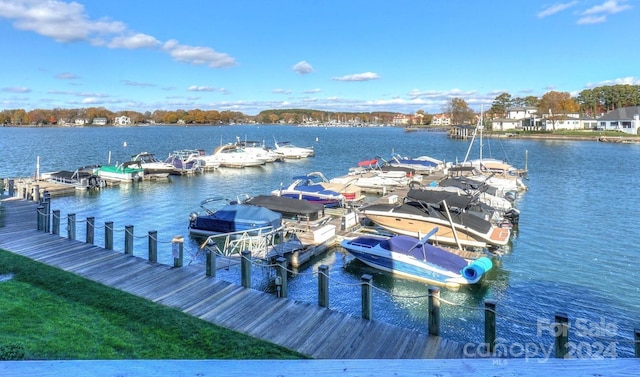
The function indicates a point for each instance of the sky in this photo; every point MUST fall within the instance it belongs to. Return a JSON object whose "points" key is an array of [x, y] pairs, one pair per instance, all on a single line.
{"points": [[330, 55]]}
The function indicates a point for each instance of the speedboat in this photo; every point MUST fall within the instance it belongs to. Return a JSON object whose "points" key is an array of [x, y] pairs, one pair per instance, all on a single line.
{"points": [[288, 150], [416, 259], [232, 156], [129, 171], [187, 161], [259, 150], [455, 226], [307, 187], [421, 163], [153, 167], [231, 218]]}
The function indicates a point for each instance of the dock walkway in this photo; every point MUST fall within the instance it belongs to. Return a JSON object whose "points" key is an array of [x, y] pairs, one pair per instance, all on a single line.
{"points": [[312, 330]]}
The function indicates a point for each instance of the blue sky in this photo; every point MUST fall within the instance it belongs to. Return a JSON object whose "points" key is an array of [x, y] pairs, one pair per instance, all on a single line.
{"points": [[348, 55]]}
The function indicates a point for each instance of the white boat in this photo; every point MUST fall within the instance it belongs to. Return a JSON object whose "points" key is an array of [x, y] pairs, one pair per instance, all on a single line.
{"points": [[259, 150], [291, 151], [232, 156], [153, 167], [187, 161]]}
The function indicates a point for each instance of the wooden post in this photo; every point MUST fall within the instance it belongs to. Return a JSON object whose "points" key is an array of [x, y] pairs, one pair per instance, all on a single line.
{"points": [[12, 188], [561, 328], [211, 263], [128, 239], [323, 286], [108, 235], [282, 290], [36, 193], [90, 230], [40, 218], [71, 226], [490, 325], [434, 311], [153, 246], [177, 247], [636, 340], [47, 211], [245, 265], [367, 307], [56, 222]]}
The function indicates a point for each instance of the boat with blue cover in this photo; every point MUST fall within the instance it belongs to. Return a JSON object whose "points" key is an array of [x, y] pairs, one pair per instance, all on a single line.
{"points": [[416, 259], [231, 218], [311, 187]]}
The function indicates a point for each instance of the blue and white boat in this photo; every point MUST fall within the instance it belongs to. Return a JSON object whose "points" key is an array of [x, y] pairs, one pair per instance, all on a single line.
{"points": [[232, 218], [311, 187], [416, 259]]}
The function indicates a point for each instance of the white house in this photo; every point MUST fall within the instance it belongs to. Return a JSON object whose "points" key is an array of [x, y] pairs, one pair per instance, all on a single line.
{"points": [[518, 118], [122, 121], [625, 119], [441, 120], [99, 121]]}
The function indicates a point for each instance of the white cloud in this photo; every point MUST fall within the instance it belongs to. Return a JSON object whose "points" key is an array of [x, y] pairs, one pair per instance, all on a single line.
{"points": [[312, 91], [197, 55], [281, 91], [588, 20], [303, 68], [66, 76], [358, 77], [629, 80], [556, 8], [196, 88], [135, 83], [16, 89], [68, 22], [134, 41], [608, 7]]}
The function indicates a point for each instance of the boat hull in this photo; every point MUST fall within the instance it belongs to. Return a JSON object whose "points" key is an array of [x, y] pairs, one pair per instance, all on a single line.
{"points": [[370, 251], [456, 234]]}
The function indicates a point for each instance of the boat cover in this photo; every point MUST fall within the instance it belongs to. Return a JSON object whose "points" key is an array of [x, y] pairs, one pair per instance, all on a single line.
{"points": [[434, 255]]}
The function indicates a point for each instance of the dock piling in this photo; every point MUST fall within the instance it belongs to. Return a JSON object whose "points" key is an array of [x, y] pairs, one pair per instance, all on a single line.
{"points": [[56, 222], [71, 226], [128, 240], [90, 230], [282, 274], [561, 335], [366, 292], [177, 247], [323, 286], [490, 325], [245, 266], [108, 235], [636, 341], [434, 311], [211, 263], [153, 246]]}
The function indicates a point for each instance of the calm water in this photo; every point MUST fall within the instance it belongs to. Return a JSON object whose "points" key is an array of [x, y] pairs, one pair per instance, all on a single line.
{"points": [[575, 251]]}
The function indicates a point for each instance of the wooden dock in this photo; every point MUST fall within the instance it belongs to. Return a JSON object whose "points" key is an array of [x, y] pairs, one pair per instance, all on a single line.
{"points": [[312, 330]]}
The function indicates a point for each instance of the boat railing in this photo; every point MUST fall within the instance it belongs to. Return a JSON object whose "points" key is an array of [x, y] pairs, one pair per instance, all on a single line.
{"points": [[262, 242]]}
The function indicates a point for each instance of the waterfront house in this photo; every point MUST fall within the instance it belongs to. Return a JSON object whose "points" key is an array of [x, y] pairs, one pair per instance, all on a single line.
{"points": [[122, 120], [625, 119], [441, 120], [99, 121]]}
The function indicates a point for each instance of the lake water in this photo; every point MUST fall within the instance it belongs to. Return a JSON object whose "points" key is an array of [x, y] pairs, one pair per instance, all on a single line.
{"points": [[575, 251]]}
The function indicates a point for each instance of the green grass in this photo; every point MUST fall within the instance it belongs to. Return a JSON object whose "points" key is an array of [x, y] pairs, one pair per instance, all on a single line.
{"points": [[51, 314]]}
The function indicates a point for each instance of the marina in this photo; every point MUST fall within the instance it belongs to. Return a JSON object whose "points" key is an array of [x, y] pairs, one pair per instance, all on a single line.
{"points": [[533, 264]]}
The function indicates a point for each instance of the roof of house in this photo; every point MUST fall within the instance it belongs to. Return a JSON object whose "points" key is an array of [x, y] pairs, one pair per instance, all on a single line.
{"points": [[623, 113]]}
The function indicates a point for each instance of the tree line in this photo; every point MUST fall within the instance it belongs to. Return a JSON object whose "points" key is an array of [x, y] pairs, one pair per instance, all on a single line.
{"points": [[589, 102]]}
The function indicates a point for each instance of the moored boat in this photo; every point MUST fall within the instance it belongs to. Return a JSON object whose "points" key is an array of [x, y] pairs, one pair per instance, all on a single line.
{"points": [[153, 167], [455, 226], [230, 218], [416, 259], [288, 150], [128, 171]]}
